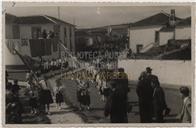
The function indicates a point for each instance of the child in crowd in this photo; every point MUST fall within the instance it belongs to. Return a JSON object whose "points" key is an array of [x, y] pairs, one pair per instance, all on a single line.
{"points": [[45, 96], [83, 95], [185, 115], [59, 94]]}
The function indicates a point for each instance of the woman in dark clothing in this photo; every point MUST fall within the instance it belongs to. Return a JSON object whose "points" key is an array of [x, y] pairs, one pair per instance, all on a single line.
{"points": [[59, 94], [159, 103], [83, 96], [45, 96], [14, 107], [33, 97], [144, 92], [116, 105]]}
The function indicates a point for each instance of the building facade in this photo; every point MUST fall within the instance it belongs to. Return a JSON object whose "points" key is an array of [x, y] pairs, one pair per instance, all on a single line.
{"points": [[145, 33], [183, 29], [24, 33]]}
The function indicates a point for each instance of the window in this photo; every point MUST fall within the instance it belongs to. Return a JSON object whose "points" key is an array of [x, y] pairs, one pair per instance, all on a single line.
{"points": [[65, 36], [139, 47], [156, 36], [16, 31], [57, 31]]}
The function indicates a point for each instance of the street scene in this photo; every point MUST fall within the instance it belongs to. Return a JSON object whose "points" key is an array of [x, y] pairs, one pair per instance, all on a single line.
{"points": [[97, 64]]}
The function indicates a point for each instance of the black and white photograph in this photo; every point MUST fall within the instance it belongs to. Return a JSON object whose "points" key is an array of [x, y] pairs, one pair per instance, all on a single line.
{"points": [[97, 63]]}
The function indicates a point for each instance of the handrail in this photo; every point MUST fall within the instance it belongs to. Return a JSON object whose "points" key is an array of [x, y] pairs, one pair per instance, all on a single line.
{"points": [[68, 51], [147, 46], [170, 52], [29, 67]]}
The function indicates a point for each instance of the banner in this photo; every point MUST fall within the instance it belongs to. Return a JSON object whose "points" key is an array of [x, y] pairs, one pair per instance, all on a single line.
{"points": [[40, 47]]}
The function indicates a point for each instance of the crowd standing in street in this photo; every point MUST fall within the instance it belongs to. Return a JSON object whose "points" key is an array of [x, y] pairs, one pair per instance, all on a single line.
{"points": [[113, 90]]}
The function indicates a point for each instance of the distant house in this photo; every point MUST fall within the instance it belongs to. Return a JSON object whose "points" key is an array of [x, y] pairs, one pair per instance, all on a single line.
{"points": [[166, 34], [144, 34], [183, 29], [88, 37], [26, 33]]}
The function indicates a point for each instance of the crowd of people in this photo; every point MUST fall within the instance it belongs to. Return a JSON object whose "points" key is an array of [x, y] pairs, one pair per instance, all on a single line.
{"points": [[44, 34], [14, 108], [113, 88], [39, 94], [53, 64]]}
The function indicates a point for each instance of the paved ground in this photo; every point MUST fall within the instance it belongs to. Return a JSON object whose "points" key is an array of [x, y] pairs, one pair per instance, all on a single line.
{"points": [[95, 115], [66, 114]]}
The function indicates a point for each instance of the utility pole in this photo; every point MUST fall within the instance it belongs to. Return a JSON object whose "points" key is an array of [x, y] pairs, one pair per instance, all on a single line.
{"points": [[60, 56], [58, 11]]}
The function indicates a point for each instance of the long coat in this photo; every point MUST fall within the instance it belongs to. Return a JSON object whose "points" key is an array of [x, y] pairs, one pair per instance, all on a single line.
{"points": [[159, 103], [145, 92], [186, 111], [116, 106]]}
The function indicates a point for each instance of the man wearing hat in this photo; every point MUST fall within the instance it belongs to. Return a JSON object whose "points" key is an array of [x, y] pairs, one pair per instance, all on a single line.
{"points": [[185, 115], [116, 104], [145, 92], [148, 70]]}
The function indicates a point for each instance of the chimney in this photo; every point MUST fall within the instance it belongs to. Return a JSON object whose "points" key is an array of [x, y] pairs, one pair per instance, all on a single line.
{"points": [[172, 20]]}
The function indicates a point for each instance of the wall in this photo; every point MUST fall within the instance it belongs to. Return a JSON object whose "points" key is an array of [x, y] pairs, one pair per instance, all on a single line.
{"points": [[11, 59], [142, 35], [164, 37], [169, 71], [183, 33], [68, 37], [25, 50]]}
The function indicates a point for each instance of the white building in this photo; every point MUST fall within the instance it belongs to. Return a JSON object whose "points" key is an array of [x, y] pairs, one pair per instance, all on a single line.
{"points": [[165, 34], [145, 33], [21, 31], [183, 29]]}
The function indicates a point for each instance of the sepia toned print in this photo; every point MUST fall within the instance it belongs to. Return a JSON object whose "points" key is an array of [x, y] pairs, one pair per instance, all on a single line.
{"points": [[98, 64]]}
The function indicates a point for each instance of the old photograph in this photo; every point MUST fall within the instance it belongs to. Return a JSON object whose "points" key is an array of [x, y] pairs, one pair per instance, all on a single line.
{"points": [[97, 64]]}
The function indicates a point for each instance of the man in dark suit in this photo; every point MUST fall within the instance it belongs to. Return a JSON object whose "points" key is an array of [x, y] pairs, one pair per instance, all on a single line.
{"points": [[145, 91], [116, 104], [122, 81]]}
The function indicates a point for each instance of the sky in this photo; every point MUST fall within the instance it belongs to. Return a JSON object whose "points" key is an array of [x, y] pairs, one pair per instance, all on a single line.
{"points": [[89, 16]]}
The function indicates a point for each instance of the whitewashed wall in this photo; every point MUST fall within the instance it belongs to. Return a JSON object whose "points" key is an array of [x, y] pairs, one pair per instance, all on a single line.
{"points": [[25, 50], [164, 37], [142, 35], [11, 59], [169, 72], [183, 33]]}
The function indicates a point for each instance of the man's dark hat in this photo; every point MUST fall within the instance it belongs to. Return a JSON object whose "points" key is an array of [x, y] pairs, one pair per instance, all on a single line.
{"points": [[184, 90], [148, 69], [121, 70]]}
